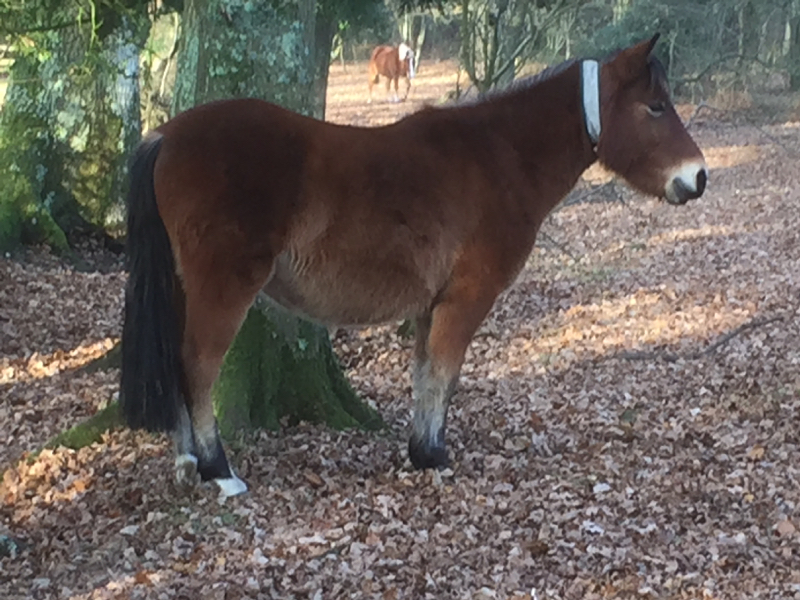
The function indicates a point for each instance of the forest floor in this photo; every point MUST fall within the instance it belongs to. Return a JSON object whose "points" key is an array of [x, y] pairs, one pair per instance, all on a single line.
{"points": [[627, 424]]}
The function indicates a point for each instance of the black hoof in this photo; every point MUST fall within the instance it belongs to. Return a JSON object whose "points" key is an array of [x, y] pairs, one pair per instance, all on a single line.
{"points": [[424, 456], [214, 467]]}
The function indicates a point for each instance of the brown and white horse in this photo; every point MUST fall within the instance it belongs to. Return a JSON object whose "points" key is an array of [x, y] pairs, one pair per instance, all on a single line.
{"points": [[393, 63], [429, 218]]}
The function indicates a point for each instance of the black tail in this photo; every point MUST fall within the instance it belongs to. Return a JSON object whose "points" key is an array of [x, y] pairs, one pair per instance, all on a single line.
{"points": [[151, 335]]}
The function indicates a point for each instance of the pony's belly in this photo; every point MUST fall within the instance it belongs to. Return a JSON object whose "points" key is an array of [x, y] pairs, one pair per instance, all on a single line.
{"points": [[348, 295]]}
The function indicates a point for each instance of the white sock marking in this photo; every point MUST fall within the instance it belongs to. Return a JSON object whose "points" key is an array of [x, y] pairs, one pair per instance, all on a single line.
{"points": [[231, 486]]}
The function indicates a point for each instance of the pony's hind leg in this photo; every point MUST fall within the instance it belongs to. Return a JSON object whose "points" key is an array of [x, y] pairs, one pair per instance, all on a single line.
{"points": [[374, 78], [442, 338], [185, 451], [209, 331]]}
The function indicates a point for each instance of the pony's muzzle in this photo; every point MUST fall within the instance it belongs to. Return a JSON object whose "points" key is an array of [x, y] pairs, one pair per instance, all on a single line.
{"points": [[687, 183]]}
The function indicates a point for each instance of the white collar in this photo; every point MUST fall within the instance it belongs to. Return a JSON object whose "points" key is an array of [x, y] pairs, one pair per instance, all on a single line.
{"points": [[590, 86]]}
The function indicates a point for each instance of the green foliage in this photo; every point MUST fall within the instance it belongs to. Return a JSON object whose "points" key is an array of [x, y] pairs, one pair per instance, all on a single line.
{"points": [[707, 45], [94, 18], [67, 124], [373, 24]]}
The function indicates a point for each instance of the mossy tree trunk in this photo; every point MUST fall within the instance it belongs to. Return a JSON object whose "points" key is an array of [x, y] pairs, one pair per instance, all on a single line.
{"points": [[279, 366], [70, 119], [792, 44]]}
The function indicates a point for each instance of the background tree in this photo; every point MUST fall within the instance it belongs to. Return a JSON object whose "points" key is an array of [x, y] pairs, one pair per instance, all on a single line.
{"points": [[70, 117]]}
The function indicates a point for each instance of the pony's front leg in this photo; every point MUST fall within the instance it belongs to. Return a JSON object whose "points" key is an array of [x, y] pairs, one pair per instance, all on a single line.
{"points": [[442, 338], [396, 96], [432, 389]]}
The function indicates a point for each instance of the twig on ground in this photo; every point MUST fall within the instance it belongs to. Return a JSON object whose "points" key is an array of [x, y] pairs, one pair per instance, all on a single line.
{"points": [[696, 112], [549, 239], [721, 341], [585, 196]]}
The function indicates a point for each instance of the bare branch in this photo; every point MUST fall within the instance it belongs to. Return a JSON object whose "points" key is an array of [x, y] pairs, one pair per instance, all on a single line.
{"points": [[672, 357]]}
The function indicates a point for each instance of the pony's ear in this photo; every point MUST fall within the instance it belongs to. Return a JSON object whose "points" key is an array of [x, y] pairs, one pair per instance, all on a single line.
{"points": [[651, 43], [630, 62]]}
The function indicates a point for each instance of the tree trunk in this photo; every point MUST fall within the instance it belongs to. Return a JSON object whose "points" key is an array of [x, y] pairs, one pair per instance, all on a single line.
{"points": [[279, 366], [70, 119], [792, 44]]}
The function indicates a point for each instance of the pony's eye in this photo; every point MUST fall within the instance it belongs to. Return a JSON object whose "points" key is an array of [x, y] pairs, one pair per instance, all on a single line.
{"points": [[656, 109]]}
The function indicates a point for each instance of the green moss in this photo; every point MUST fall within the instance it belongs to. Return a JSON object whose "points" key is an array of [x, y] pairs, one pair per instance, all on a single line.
{"points": [[39, 227], [110, 360], [66, 129], [281, 367], [10, 226], [90, 431]]}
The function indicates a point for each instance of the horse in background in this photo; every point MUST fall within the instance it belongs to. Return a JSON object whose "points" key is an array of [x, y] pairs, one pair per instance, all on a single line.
{"points": [[429, 218], [393, 63]]}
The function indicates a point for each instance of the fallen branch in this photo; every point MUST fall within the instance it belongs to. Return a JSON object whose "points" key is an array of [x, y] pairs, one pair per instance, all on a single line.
{"points": [[703, 104], [586, 196], [559, 245], [721, 341]]}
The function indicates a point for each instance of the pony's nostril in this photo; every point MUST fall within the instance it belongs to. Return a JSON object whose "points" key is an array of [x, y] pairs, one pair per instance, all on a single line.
{"points": [[702, 179]]}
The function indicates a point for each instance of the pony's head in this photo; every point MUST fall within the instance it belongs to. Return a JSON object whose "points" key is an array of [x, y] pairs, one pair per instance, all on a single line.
{"points": [[407, 55], [638, 134]]}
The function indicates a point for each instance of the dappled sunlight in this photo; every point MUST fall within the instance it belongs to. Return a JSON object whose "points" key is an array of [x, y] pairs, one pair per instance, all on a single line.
{"points": [[725, 157], [39, 366], [597, 174], [692, 233], [643, 319], [58, 476]]}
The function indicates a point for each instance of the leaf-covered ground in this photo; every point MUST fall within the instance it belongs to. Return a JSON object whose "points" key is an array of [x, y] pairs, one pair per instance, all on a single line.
{"points": [[627, 425]]}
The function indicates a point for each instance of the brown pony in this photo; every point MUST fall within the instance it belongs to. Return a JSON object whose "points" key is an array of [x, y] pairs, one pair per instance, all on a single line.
{"points": [[429, 218], [393, 63]]}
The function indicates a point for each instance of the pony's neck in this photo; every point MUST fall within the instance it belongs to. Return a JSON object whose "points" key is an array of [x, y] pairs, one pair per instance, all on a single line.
{"points": [[544, 124]]}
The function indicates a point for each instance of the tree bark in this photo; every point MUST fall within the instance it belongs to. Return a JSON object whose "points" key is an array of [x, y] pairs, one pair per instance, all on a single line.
{"points": [[792, 44], [279, 367], [70, 119]]}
